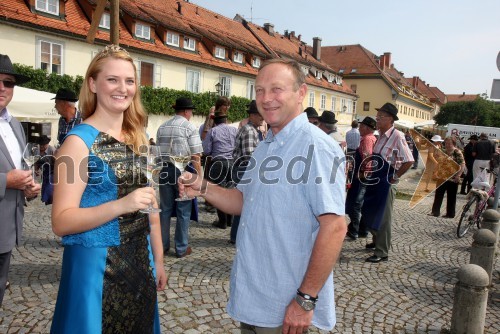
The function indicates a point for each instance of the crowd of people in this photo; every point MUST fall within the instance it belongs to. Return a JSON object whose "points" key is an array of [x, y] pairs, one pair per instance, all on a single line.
{"points": [[288, 163]]}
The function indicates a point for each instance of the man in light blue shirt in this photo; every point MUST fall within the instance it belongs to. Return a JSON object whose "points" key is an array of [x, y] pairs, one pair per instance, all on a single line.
{"points": [[281, 279], [353, 137]]}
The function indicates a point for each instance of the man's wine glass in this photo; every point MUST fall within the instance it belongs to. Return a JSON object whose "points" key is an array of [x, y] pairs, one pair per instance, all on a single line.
{"points": [[180, 155], [153, 168], [31, 154]]}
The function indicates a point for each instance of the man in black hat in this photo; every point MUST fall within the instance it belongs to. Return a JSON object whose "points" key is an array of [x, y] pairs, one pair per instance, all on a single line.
{"points": [[327, 123], [312, 115], [356, 192], [393, 158], [70, 116], [469, 163], [175, 133], [247, 139], [16, 183]]}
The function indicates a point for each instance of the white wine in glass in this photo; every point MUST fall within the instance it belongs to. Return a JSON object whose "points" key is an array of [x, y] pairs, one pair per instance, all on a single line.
{"points": [[31, 154], [180, 155], [153, 168]]}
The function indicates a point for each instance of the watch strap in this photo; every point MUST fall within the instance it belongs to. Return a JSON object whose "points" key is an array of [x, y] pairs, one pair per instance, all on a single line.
{"points": [[306, 296]]}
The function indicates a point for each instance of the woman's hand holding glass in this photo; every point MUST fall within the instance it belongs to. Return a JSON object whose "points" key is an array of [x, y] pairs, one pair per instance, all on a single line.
{"points": [[153, 167]]}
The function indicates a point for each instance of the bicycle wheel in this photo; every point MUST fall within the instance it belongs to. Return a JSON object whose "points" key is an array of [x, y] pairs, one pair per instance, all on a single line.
{"points": [[467, 216]]}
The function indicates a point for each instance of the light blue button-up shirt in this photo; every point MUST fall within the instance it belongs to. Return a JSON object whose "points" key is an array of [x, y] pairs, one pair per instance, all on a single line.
{"points": [[299, 174]]}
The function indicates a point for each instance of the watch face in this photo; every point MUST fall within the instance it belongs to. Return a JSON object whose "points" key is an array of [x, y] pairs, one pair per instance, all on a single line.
{"points": [[307, 305]]}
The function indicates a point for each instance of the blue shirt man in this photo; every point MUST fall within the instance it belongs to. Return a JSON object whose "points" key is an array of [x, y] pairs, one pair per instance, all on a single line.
{"points": [[281, 280]]}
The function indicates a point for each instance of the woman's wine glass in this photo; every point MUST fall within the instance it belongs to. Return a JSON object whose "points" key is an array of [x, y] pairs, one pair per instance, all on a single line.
{"points": [[31, 154], [153, 168], [180, 155]]}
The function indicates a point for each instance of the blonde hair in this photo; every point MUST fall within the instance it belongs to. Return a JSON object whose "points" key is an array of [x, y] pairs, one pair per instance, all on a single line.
{"points": [[134, 117], [294, 66]]}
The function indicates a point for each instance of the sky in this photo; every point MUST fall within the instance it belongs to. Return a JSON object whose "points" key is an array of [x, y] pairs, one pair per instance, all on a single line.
{"points": [[450, 44]]}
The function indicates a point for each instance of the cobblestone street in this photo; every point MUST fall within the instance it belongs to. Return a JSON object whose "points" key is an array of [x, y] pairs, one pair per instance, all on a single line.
{"points": [[412, 293]]}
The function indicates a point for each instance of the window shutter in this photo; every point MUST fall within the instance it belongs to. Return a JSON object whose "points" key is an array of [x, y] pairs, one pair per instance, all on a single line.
{"points": [[157, 76]]}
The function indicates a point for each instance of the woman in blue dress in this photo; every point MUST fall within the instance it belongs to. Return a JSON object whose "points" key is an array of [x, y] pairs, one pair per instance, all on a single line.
{"points": [[113, 256]]}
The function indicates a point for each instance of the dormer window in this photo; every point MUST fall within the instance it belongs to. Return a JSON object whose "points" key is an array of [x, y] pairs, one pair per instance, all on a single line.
{"points": [[319, 75], [48, 6], [105, 21], [238, 57], [142, 31], [220, 52], [189, 43], [330, 78], [341, 71], [172, 39], [256, 62], [305, 70]]}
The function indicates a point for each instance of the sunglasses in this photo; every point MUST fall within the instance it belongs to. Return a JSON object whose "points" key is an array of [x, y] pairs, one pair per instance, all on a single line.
{"points": [[8, 83]]}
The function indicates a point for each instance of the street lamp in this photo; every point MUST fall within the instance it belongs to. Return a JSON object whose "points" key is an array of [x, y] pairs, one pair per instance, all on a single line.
{"points": [[218, 88]]}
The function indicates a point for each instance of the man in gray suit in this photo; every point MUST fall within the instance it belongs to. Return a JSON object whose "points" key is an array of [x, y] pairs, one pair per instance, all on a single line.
{"points": [[15, 182]]}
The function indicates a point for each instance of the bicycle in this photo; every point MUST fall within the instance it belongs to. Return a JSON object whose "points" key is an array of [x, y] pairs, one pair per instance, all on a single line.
{"points": [[468, 217]]}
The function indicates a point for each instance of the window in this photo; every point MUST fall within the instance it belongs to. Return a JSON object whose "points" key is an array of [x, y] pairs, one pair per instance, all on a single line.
{"points": [[304, 70], [189, 43], [142, 31], [238, 57], [333, 103], [225, 89], [354, 88], [366, 106], [220, 52], [50, 56], [311, 99], [173, 39], [354, 104], [343, 108], [331, 77], [323, 102], [105, 21], [319, 74], [256, 62], [48, 6], [251, 89], [193, 80]]}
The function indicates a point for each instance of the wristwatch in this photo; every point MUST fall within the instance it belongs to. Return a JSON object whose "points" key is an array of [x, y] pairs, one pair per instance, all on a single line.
{"points": [[306, 304]]}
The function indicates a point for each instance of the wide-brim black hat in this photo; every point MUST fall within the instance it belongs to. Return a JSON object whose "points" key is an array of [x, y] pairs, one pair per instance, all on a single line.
{"points": [[473, 137], [311, 112], [7, 68], [252, 108], [390, 109], [43, 140], [327, 117], [65, 94], [369, 122], [183, 103]]}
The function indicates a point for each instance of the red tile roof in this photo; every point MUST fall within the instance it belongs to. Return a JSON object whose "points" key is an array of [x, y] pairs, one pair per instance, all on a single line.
{"points": [[462, 97], [192, 20]]}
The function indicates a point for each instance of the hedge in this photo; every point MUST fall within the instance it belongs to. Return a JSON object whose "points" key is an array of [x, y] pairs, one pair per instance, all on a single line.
{"points": [[155, 100]]}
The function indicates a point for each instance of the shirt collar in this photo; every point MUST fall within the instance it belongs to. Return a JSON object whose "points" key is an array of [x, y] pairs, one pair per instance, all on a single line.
{"points": [[388, 132], [4, 114], [289, 131]]}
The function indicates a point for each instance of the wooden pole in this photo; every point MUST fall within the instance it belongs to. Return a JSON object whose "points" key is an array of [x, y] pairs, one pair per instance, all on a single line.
{"points": [[115, 22], [96, 18]]}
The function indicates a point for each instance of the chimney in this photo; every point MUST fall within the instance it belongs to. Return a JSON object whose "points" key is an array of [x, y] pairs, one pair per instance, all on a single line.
{"points": [[269, 28], [317, 48], [463, 94], [292, 33], [197, 11], [286, 33], [299, 37], [179, 7], [387, 58], [382, 61], [414, 82], [300, 51]]}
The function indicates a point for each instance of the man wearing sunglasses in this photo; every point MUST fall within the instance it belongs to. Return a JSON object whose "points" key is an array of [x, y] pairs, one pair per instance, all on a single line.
{"points": [[16, 184]]}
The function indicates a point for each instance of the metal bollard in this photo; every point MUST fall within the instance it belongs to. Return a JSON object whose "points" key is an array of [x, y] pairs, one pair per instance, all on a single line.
{"points": [[491, 220], [483, 251], [469, 303]]}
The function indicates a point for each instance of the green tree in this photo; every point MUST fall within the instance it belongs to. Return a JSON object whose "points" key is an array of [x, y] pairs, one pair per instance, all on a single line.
{"points": [[480, 112]]}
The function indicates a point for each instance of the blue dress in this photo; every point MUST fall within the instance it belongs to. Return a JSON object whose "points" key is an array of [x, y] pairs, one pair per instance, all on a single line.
{"points": [[108, 276]]}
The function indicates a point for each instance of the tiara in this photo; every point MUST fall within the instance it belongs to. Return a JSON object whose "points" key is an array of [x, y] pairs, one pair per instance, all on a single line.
{"points": [[111, 49]]}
